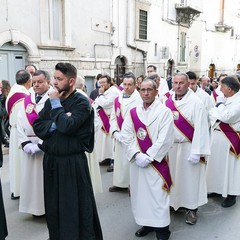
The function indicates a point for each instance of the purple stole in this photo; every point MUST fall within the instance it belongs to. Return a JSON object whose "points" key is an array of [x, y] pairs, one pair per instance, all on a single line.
{"points": [[16, 97], [167, 94], [30, 111], [232, 136], [182, 124], [214, 94], [145, 142], [105, 120], [90, 100], [120, 87], [118, 112]]}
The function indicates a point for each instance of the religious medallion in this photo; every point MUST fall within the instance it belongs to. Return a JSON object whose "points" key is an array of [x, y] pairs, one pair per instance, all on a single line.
{"points": [[141, 133], [29, 108]]}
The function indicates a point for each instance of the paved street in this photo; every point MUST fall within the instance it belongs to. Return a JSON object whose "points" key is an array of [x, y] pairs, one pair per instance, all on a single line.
{"points": [[117, 220]]}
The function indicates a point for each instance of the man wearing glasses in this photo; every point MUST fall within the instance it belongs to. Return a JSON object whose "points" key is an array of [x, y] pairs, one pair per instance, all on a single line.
{"points": [[147, 133]]}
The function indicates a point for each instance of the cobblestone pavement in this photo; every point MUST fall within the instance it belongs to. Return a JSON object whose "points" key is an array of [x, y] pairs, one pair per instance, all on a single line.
{"points": [[214, 223]]}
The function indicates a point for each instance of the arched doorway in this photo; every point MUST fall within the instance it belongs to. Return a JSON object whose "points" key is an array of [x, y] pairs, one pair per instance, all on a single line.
{"points": [[170, 68], [211, 70], [120, 69], [16, 49], [12, 59]]}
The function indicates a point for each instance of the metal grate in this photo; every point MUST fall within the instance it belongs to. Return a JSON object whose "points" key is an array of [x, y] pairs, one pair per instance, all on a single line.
{"points": [[143, 24]]}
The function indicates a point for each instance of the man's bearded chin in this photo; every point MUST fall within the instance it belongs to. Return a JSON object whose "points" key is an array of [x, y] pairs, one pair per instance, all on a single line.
{"points": [[64, 91]]}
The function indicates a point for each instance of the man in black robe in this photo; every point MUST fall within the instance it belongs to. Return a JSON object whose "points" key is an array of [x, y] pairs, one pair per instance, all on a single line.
{"points": [[66, 127], [3, 223]]}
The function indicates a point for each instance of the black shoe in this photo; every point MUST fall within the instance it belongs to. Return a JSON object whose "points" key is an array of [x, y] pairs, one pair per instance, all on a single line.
{"points": [[117, 189], [143, 231], [163, 233], [229, 201], [13, 197]]}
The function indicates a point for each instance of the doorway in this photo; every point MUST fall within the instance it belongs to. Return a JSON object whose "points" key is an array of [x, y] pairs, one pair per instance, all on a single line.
{"points": [[120, 69], [12, 59]]}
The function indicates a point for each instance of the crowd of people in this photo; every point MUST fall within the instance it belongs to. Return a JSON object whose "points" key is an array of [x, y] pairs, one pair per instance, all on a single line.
{"points": [[171, 146]]}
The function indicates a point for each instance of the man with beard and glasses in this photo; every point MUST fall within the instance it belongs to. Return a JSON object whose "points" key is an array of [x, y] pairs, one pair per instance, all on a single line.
{"points": [[66, 126]]}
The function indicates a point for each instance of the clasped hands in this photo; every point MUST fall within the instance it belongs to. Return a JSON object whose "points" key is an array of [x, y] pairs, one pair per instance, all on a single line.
{"points": [[117, 135], [31, 148], [143, 160]]}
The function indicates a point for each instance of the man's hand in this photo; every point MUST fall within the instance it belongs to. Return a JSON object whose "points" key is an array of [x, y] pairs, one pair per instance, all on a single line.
{"points": [[117, 136], [194, 158], [143, 160], [55, 94], [31, 148], [35, 149], [101, 90], [27, 148]]}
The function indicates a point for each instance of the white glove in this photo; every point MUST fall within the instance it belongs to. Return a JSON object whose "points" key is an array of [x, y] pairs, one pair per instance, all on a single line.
{"points": [[31, 148], [27, 148], [220, 99], [194, 158], [35, 149], [117, 136], [143, 160]]}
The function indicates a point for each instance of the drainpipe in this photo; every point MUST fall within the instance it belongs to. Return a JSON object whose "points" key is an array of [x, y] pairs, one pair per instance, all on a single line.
{"points": [[94, 51], [131, 30], [221, 12]]}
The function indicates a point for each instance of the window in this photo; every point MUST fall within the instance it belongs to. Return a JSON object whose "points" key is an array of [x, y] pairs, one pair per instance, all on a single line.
{"points": [[55, 20], [182, 47], [55, 23], [143, 24]]}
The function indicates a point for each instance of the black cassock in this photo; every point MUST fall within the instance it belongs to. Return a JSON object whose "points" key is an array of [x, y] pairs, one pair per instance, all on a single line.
{"points": [[3, 223], [71, 211]]}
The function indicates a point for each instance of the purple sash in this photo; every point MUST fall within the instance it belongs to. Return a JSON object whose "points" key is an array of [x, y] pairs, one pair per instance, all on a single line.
{"points": [[30, 110], [145, 142], [167, 94], [183, 125], [118, 112], [16, 97], [90, 100], [105, 120], [232, 136], [214, 94], [120, 87]]}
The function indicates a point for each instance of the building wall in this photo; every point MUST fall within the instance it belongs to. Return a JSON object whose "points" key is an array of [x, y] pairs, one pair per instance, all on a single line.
{"points": [[95, 35]]}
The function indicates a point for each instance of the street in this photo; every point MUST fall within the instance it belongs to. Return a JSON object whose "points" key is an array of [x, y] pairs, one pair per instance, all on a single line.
{"points": [[117, 221]]}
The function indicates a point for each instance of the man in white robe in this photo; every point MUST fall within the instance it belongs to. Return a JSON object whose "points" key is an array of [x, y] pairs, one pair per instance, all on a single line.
{"points": [[93, 164], [128, 99], [31, 158], [223, 168], [150, 202], [161, 82], [13, 102], [217, 94], [104, 106], [191, 144], [202, 95]]}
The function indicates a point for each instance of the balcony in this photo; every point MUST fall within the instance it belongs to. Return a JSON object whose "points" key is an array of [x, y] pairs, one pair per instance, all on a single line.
{"points": [[221, 27], [186, 14]]}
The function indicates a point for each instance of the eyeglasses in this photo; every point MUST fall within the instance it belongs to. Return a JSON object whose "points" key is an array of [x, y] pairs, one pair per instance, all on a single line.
{"points": [[148, 90]]}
